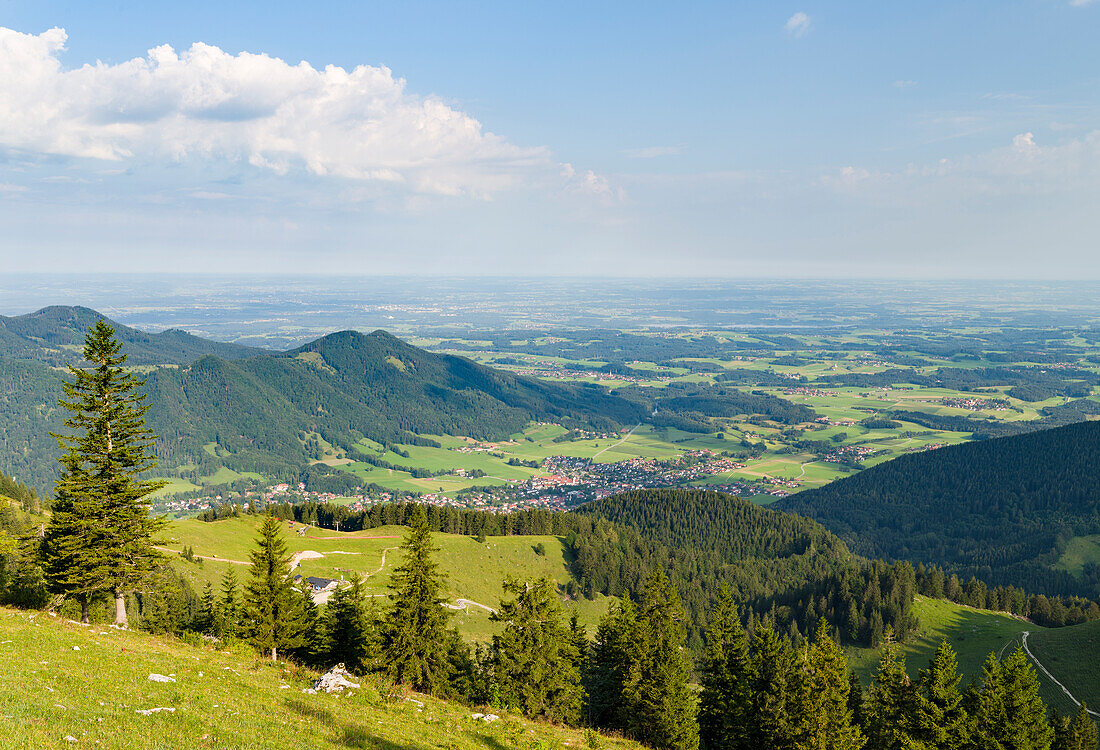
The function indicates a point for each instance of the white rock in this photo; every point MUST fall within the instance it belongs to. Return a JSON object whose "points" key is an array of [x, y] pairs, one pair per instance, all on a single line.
{"points": [[154, 677], [70, 738], [334, 681], [151, 711]]}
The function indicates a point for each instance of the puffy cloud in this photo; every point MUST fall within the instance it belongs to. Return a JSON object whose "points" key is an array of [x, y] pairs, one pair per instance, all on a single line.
{"points": [[798, 24], [358, 124]]}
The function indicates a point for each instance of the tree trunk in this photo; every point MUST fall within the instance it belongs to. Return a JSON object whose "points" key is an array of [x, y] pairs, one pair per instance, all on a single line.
{"points": [[274, 654], [84, 618], [120, 609]]}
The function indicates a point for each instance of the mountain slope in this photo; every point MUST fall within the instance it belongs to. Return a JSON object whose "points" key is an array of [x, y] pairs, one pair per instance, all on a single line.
{"points": [[999, 509], [89, 683], [347, 386], [56, 334]]}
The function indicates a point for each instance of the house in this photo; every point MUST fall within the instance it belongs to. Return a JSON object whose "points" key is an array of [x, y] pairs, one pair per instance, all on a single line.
{"points": [[319, 585]]}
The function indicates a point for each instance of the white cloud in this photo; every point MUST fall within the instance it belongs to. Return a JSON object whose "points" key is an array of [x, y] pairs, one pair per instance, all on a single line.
{"points": [[1081, 3], [903, 84], [359, 124], [798, 24], [652, 152]]}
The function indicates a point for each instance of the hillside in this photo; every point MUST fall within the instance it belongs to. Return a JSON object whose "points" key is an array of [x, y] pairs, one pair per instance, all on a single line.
{"points": [[1002, 510], [55, 335], [253, 414], [89, 683], [474, 570]]}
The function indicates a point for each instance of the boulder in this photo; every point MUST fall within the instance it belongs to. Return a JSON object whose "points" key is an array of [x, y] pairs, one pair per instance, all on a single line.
{"points": [[334, 681]]}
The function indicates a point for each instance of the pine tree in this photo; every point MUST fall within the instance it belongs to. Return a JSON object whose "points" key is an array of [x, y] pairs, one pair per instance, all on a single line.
{"points": [[1076, 734], [534, 659], [661, 707], [725, 701], [348, 631], [1010, 715], [416, 641], [821, 715], [612, 657], [102, 538], [939, 720], [892, 700], [206, 613], [855, 701], [228, 623], [273, 609], [771, 722]]}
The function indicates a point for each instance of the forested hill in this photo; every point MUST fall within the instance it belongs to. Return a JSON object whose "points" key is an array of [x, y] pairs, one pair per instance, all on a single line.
{"points": [[348, 386], [1002, 510], [56, 334]]}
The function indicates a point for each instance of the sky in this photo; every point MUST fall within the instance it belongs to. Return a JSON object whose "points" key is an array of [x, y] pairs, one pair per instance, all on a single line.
{"points": [[734, 139]]}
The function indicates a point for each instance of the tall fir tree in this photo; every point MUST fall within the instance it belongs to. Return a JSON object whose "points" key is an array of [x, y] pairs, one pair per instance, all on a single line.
{"points": [[416, 641], [1010, 715], [207, 611], [229, 615], [534, 659], [612, 656], [773, 664], [102, 537], [939, 720], [349, 636], [726, 676], [273, 608], [821, 714], [661, 706], [892, 700], [1078, 733]]}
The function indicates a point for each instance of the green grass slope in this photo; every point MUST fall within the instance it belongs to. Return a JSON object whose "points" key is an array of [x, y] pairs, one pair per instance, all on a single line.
{"points": [[474, 570], [975, 633], [60, 680]]}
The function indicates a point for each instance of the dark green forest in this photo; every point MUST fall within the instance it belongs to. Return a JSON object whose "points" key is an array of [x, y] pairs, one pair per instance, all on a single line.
{"points": [[1000, 510]]}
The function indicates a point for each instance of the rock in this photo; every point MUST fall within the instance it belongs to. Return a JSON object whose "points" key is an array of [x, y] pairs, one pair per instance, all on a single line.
{"points": [[154, 677], [487, 718], [69, 738], [334, 681], [151, 711]]}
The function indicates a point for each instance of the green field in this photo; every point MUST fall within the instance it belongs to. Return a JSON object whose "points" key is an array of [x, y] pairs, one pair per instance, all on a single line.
{"points": [[1080, 551], [88, 683], [475, 571], [975, 633]]}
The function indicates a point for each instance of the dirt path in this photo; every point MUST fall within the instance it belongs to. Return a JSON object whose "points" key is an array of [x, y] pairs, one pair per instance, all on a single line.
{"points": [[352, 538], [616, 445], [467, 603], [1050, 677], [383, 565]]}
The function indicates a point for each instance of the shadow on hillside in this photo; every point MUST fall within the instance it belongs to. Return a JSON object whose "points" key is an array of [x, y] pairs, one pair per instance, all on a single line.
{"points": [[347, 733]]}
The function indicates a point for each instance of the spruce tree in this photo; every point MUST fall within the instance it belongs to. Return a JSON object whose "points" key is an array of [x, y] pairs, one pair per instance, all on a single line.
{"points": [[892, 700], [725, 700], [820, 711], [612, 657], [102, 538], [661, 707], [348, 632], [1076, 734], [228, 621], [273, 609], [534, 659], [939, 720], [773, 665], [416, 643], [1010, 714], [206, 613]]}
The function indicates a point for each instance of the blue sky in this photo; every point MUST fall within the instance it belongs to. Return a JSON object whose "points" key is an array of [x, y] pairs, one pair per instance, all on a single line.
{"points": [[737, 139]]}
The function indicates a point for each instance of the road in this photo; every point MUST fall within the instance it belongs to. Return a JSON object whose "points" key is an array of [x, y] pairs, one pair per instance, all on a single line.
{"points": [[616, 445]]}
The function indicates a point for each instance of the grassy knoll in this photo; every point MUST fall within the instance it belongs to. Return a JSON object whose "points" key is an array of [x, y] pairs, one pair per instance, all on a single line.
{"points": [[474, 570], [974, 633], [1080, 551], [88, 683]]}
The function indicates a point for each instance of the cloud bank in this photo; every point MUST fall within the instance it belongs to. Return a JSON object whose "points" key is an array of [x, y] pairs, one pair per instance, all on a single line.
{"points": [[360, 124]]}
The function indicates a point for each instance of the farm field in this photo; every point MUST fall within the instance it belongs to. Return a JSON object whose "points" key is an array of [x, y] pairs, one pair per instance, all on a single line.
{"points": [[475, 570]]}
